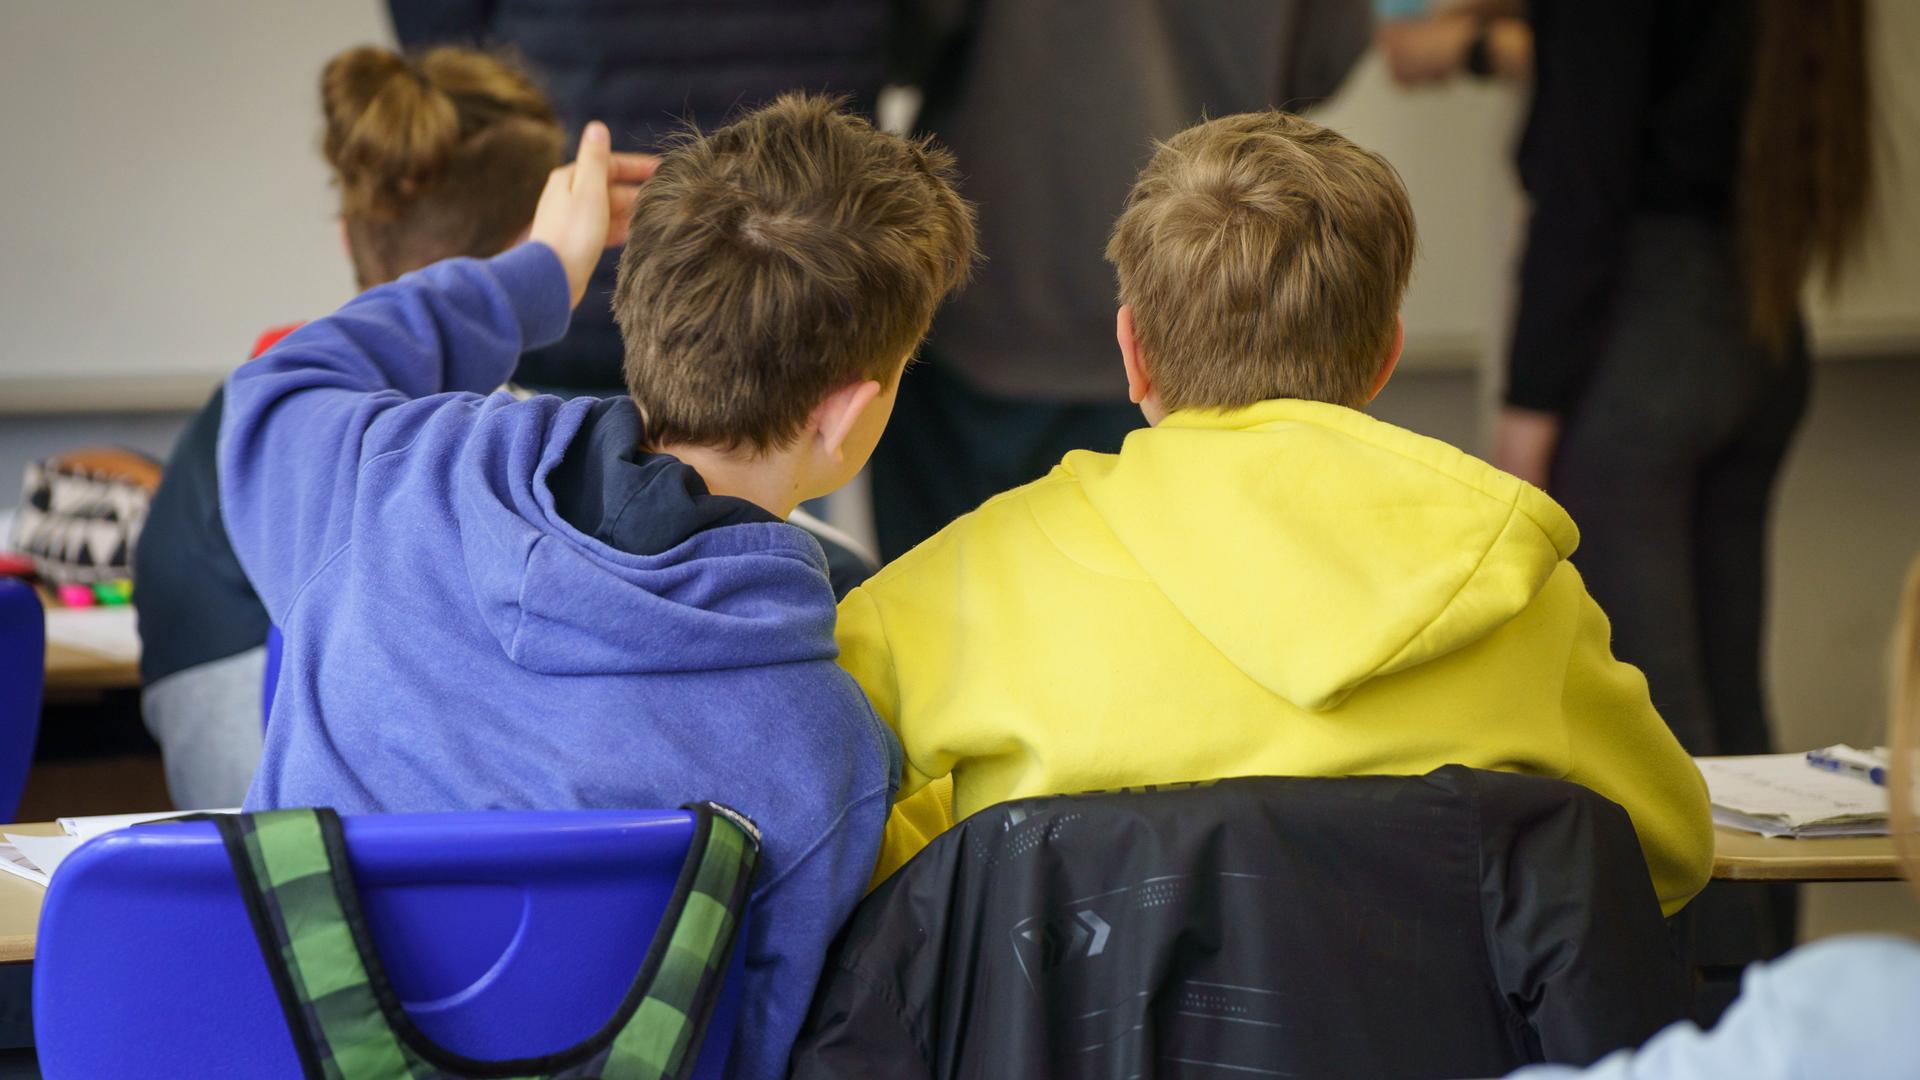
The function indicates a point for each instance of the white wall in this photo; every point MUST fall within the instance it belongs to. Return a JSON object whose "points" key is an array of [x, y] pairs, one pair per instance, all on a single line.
{"points": [[163, 192], [165, 199]]}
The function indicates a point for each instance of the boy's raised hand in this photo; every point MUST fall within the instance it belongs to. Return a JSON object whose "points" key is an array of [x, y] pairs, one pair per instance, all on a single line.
{"points": [[586, 205]]}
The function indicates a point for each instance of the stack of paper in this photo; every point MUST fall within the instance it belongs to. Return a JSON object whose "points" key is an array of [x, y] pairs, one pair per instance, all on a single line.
{"points": [[1783, 795], [37, 857]]}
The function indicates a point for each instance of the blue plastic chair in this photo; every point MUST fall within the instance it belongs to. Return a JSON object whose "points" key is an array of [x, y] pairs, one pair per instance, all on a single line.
{"points": [[23, 675], [506, 934]]}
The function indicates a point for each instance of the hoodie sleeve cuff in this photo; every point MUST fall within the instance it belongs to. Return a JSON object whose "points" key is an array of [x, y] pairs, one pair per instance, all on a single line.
{"points": [[536, 286]]}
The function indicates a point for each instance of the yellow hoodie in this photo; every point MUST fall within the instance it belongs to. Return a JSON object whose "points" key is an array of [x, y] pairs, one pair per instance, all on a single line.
{"points": [[1290, 589]]}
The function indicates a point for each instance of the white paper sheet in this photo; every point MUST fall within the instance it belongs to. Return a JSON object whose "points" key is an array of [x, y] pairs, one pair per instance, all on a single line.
{"points": [[12, 862], [109, 631], [86, 828], [37, 858], [1782, 795], [45, 852]]}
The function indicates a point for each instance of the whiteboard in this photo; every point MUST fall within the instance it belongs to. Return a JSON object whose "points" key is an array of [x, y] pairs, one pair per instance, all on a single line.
{"points": [[165, 196]]}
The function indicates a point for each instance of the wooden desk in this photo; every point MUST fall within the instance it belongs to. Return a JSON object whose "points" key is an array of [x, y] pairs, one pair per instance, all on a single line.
{"points": [[71, 670], [20, 904], [1744, 856]]}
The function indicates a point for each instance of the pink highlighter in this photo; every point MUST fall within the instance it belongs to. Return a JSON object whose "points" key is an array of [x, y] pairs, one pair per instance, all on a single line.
{"points": [[76, 596]]}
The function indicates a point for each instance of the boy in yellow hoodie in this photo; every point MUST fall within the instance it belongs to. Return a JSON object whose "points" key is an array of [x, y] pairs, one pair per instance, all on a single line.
{"points": [[1266, 581]]}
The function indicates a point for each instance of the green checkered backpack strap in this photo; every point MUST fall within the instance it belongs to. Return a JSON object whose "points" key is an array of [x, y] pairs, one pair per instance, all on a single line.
{"points": [[347, 1023]]}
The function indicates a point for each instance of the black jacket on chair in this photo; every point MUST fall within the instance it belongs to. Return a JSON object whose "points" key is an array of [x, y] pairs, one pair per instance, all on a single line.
{"points": [[1457, 924]]}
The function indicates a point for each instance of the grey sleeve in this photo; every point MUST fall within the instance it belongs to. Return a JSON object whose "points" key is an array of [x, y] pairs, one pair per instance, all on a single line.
{"points": [[1327, 39]]}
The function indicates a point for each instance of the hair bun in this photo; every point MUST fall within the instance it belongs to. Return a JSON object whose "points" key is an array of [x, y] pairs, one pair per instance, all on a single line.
{"points": [[390, 131]]}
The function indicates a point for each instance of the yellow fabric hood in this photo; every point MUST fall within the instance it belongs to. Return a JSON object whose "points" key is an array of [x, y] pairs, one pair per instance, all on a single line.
{"points": [[1312, 545]]}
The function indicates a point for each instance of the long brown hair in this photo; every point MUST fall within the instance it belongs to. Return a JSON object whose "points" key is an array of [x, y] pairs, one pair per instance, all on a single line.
{"points": [[438, 155], [1905, 736], [1805, 168]]}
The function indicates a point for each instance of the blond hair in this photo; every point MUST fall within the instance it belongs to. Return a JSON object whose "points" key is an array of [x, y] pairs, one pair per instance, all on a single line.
{"points": [[434, 156], [1264, 256], [790, 253], [1904, 738]]}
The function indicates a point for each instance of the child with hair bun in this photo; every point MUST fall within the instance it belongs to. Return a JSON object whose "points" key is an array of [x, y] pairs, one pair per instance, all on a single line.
{"points": [[434, 156]]}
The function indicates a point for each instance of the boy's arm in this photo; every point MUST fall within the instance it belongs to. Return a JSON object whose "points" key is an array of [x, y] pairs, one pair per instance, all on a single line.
{"points": [[923, 807], [1581, 166], [791, 926], [1618, 745], [912, 825], [867, 656], [302, 420]]}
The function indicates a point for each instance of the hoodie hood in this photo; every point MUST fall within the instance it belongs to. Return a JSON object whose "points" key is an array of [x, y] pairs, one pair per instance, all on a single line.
{"points": [[1317, 548], [617, 561]]}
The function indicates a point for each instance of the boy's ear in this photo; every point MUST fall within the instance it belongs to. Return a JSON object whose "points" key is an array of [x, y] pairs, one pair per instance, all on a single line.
{"points": [[1392, 359], [835, 418], [1138, 384]]}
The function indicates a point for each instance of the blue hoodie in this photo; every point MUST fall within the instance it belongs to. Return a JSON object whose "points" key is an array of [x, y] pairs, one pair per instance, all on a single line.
{"points": [[490, 603]]}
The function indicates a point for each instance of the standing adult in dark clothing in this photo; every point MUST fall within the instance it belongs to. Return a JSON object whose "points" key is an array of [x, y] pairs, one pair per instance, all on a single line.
{"points": [[1689, 161], [1051, 113], [646, 67]]}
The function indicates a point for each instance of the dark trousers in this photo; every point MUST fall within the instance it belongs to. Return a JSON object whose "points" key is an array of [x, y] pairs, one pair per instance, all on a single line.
{"points": [[1668, 464], [950, 447]]}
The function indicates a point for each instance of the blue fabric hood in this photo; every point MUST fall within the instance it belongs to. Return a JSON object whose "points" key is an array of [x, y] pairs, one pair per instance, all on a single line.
{"points": [[615, 561]]}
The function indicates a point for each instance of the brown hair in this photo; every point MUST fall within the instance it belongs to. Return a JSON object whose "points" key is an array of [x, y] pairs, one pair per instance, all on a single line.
{"points": [[1264, 256], [1806, 168], [777, 259], [1904, 740], [438, 155]]}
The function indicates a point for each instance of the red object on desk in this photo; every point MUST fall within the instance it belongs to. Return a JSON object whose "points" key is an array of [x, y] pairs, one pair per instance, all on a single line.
{"points": [[15, 566]]}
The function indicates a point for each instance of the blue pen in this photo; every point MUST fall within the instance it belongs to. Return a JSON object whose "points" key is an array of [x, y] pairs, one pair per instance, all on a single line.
{"points": [[1872, 773]]}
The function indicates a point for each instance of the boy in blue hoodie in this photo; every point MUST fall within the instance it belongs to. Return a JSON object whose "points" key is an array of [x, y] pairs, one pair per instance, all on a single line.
{"points": [[598, 603]]}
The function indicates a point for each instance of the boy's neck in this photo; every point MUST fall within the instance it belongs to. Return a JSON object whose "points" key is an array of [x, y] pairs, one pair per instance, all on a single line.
{"points": [[769, 481]]}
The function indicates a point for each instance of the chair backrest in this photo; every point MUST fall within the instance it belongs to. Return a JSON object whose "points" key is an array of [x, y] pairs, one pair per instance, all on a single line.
{"points": [[23, 675], [506, 934], [1462, 923]]}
